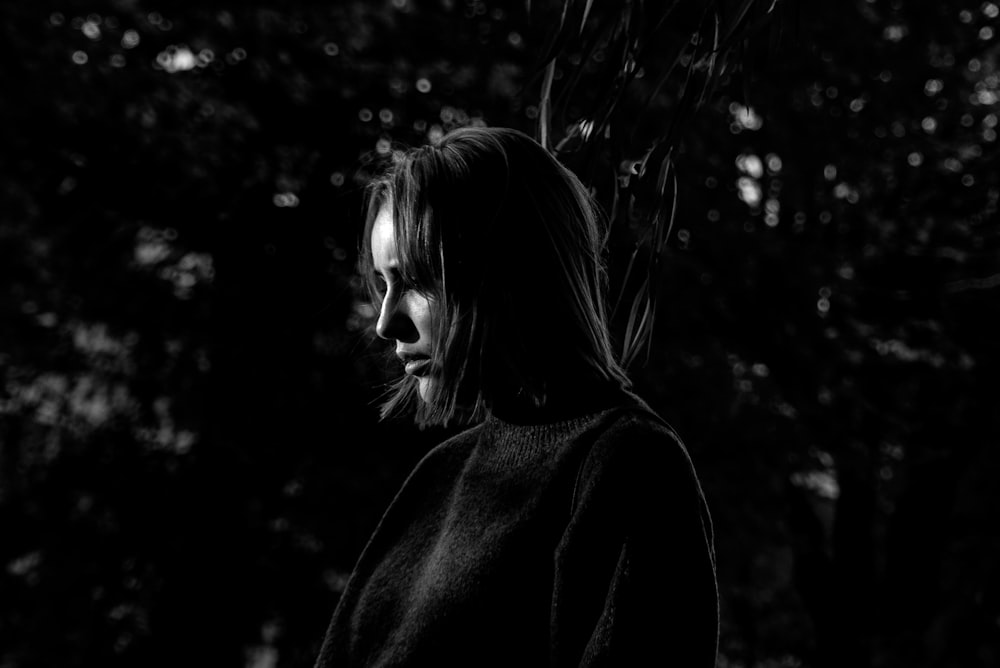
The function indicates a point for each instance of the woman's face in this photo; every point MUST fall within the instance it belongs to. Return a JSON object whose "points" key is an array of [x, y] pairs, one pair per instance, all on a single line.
{"points": [[405, 315]]}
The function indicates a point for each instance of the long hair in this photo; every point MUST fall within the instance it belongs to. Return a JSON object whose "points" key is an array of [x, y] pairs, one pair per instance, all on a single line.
{"points": [[506, 244]]}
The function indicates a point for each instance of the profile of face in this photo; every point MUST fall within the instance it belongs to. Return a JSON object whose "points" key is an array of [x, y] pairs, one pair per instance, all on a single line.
{"points": [[405, 315]]}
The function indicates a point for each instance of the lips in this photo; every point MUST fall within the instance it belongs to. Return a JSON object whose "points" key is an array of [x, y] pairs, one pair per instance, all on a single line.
{"points": [[417, 366]]}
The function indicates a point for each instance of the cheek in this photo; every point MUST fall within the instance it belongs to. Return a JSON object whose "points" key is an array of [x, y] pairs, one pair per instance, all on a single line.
{"points": [[422, 313]]}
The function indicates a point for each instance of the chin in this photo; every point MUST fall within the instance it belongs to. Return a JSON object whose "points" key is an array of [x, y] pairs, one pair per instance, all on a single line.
{"points": [[425, 387]]}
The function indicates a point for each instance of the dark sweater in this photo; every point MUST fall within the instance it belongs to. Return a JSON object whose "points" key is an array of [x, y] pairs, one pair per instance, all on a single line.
{"points": [[584, 542]]}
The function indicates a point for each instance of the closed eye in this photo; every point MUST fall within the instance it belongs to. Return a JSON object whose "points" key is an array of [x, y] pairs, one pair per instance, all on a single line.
{"points": [[378, 282], [394, 282]]}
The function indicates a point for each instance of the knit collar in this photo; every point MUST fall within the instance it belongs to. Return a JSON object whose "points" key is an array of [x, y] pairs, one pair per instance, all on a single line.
{"points": [[520, 439]]}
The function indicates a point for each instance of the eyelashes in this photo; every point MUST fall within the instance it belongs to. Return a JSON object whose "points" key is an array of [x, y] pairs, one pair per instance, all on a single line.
{"points": [[395, 280], [380, 285]]}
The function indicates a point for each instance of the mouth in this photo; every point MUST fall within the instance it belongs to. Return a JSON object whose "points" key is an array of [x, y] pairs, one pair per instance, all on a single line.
{"points": [[417, 366]]}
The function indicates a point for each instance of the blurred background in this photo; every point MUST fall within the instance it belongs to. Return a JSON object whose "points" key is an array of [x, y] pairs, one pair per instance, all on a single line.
{"points": [[190, 456]]}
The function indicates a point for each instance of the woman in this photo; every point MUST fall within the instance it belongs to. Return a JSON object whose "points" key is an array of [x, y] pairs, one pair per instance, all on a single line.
{"points": [[567, 526]]}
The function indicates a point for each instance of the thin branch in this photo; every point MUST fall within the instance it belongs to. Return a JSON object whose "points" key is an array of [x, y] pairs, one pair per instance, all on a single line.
{"points": [[985, 283]]}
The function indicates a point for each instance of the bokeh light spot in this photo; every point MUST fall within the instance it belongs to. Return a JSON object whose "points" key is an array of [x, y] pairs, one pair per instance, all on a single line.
{"points": [[894, 33], [749, 191], [91, 30], [177, 58], [745, 117], [130, 39], [285, 200], [750, 165]]}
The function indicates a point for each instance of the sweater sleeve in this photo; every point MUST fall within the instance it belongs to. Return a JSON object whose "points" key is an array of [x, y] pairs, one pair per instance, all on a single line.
{"points": [[635, 579]]}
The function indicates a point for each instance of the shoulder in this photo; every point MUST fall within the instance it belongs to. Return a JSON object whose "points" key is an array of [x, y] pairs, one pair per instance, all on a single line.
{"points": [[639, 462], [638, 440]]}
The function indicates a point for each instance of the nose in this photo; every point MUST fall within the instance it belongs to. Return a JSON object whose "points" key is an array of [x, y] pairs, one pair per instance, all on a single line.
{"points": [[394, 320]]}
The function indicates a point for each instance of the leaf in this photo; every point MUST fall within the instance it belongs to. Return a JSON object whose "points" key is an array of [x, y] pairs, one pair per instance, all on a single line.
{"points": [[735, 35], [586, 13], [634, 329], [674, 59], [661, 34], [628, 274], [545, 107], [639, 332], [663, 19], [661, 179], [740, 15], [560, 36], [713, 75], [590, 47], [616, 194]]}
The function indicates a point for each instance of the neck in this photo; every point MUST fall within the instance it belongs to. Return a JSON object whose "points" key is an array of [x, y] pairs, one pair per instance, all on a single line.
{"points": [[558, 403]]}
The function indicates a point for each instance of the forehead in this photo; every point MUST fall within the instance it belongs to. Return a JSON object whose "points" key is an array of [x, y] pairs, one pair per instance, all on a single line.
{"points": [[383, 239]]}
